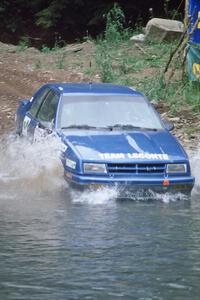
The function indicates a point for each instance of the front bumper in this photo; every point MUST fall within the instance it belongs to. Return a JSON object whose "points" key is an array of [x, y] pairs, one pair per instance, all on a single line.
{"points": [[174, 184]]}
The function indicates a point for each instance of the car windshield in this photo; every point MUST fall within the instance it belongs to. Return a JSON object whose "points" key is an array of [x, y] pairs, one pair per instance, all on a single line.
{"points": [[107, 111]]}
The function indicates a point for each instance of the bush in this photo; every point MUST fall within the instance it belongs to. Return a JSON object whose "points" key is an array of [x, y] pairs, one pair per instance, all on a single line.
{"points": [[114, 24]]}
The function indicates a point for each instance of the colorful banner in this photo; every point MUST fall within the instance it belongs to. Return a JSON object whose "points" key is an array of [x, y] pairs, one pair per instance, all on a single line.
{"points": [[193, 17], [193, 59]]}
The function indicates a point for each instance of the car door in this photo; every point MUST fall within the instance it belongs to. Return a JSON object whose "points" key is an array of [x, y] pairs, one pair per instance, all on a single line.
{"points": [[30, 121], [45, 117]]}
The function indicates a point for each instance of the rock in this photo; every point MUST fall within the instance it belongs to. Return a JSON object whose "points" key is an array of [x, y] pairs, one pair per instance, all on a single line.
{"points": [[159, 30], [139, 38], [175, 119], [179, 126], [186, 141], [164, 115]]}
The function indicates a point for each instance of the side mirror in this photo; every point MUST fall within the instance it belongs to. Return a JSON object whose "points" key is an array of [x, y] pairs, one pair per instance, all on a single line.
{"points": [[24, 102], [169, 126]]}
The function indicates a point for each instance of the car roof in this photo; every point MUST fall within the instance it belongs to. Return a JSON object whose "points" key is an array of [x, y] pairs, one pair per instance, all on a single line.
{"points": [[96, 88]]}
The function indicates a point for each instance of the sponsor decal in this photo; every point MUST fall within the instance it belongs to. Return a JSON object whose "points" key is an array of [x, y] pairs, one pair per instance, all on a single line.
{"points": [[26, 123], [151, 156], [196, 70], [198, 25], [63, 147]]}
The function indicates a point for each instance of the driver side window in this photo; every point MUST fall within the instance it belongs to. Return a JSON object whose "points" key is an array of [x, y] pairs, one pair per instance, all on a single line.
{"points": [[48, 109], [37, 102]]}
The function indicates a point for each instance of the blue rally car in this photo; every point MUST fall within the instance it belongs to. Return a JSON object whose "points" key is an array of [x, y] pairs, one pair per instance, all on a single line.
{"points": [[111, 134]]}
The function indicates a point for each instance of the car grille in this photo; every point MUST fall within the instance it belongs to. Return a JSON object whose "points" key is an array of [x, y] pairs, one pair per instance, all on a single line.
{"points": [[135, 168]]}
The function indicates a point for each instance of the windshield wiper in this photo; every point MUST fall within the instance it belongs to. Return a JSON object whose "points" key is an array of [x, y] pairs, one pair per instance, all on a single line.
{"points": [[130, 127], [84, 126]]}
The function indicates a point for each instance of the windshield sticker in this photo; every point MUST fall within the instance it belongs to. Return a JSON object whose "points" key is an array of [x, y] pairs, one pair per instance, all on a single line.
{"points": [[152, 156]]}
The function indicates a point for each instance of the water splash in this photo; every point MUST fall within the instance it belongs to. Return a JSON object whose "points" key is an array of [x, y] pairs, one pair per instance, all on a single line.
{"points": [[169, 197], [29, 166], [195, 167], [100, 196], [35, 168]]}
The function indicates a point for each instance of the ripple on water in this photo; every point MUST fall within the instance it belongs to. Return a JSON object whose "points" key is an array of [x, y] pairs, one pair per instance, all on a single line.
{"points": [[56, 249]]}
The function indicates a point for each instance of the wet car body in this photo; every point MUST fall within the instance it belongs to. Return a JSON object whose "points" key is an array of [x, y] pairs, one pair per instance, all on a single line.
{"points": [[102, 146]]}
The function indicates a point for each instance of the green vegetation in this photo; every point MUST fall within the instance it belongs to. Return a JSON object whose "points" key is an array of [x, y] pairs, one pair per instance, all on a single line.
{"points": [[46, 49], [24, 43], [38, 64], [116, 59], [119, 60], [71, 19], [60, 63]]}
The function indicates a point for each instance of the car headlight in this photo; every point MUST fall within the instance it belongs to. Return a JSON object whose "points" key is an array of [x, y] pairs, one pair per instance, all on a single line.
{"points": [[94, 168], [70, 163], [176, 168]]}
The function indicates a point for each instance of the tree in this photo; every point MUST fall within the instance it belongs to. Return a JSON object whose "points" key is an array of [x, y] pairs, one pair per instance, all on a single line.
{"points": [[70, 18]]}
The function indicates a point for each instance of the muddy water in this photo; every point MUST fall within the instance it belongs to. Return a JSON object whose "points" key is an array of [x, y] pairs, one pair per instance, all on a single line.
{"points": [[55, 244]]}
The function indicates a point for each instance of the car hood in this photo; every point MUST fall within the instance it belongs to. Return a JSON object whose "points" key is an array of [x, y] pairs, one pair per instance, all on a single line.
{"points": [[140, 145]]}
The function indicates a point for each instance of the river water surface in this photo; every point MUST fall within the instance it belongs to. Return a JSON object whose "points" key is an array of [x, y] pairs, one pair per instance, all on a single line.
{"points": [[55, 244]]}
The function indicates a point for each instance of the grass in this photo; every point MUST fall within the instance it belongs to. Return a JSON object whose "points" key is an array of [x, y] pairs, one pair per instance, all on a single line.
{"points": [[190, 130], [38, 64], [120, 61], [60, 63], [24, 43]]}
